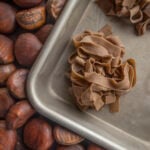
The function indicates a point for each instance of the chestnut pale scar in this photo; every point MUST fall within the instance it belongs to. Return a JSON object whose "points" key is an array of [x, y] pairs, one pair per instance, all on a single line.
{"points": [[30, 18]]}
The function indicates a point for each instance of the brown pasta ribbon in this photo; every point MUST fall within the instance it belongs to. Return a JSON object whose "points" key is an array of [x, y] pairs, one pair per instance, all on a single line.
{"points": [[98, 74], [138, 11]]}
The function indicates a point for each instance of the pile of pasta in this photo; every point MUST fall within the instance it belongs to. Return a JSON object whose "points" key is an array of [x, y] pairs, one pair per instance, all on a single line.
{"points": [[137, 11], [99, 76]]}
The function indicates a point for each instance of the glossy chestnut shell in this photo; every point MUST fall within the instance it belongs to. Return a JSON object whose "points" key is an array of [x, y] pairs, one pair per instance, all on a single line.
{"points": [[66, 137], [94, 147], [8, 138], [31, 19], [16, 83], [27, 48], [54, 8], [27, 3], [5, 72], [18, 114], [7, 18], [6, 101], [43, 33], [6, 50], [38, 134]]}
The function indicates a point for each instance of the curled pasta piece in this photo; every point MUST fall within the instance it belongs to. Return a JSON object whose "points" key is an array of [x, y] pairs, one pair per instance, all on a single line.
{"points": [[137, 11], [143, 26], [98, 74]]}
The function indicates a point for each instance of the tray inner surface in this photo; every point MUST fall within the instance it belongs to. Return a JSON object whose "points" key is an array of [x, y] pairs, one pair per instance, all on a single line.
{"points": [[133, 118], [135, 106]]}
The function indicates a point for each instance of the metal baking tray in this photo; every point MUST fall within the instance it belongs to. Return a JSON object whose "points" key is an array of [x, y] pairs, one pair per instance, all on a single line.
{"points": [[47, 85]]}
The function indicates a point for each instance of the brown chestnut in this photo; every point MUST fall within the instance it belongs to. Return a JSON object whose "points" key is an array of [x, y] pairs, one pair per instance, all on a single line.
{"points": [[27, 3], [6, 50], [16, 83], [8, 138], [94, 147], [27, 48], [5, 72], [7, 18], [6, 101], [73, 147], [38, 134], [19, 114], [65, 137], [43, 33], [31, 19], [54, 8]]}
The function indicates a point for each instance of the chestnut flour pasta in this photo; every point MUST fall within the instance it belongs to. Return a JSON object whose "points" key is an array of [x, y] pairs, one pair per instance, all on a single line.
{"points": [[98, 74], [137, 11]]}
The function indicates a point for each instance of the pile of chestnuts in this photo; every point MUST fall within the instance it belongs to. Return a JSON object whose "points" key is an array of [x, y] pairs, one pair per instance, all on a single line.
{"points": [[24, 28]]}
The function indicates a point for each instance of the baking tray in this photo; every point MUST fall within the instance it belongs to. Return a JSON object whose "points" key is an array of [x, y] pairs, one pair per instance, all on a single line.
{"points": [[47, 85]]}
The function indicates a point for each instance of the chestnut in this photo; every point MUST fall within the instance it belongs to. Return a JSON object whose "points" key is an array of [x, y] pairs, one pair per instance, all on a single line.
{"points": [[7, 18], [8, 138], [16, 83], [31, 19], [43, 33], [27, 3], [6, 50], [6, 101], [94, 147], [38, 134], [65, 137], [54, 8], [73, 147], [27, 48], [18, 114], [5, 72]]}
